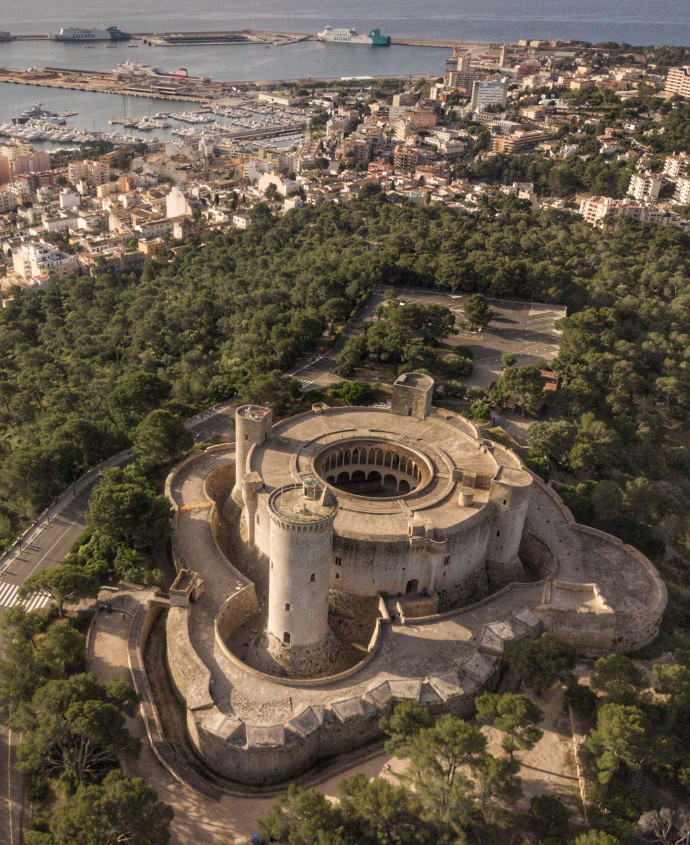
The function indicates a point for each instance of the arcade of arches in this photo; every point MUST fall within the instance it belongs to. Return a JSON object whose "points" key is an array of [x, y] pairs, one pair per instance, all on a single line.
{"points": [[373, 468]]}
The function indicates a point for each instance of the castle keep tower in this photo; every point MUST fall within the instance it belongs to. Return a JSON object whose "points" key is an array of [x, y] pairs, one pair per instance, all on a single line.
{"points": [[252, 424], [301, 556], [412, 395]]}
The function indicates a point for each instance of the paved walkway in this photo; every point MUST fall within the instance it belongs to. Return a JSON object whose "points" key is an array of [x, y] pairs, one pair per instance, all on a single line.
{"points": [[197, 819]]}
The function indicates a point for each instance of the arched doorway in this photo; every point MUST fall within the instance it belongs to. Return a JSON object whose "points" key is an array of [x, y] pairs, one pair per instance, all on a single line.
{"points": [[412, 586]]}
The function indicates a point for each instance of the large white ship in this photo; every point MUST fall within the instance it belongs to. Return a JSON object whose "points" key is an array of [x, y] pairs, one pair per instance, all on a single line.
{"points": [[351, 36], [75, 33]]}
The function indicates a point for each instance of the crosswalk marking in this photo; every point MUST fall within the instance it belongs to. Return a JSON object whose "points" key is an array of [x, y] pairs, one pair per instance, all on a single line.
{"points": [[34, 601]]}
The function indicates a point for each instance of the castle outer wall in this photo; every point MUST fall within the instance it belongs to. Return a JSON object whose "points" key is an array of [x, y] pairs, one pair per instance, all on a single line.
{"points": [[602, 594]]}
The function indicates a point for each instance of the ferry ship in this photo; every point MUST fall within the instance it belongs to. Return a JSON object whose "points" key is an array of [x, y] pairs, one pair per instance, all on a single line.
{"points": [[75, 33], [351, 36]]}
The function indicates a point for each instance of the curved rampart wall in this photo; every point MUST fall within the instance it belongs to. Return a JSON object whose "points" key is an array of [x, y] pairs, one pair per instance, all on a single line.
{"points": [[188, 672], [537, 556], [265, 754], [631, 635]]}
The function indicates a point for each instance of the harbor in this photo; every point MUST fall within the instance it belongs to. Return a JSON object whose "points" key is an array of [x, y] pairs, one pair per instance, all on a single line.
{"points": [[199, 90], [252, 62], [250, 36]]}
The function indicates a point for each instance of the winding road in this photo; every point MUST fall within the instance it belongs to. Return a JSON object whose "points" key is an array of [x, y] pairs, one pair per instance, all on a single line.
{"points": [[43, 545]]}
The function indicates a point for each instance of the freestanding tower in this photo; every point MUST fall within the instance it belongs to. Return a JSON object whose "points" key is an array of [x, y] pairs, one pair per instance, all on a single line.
{"points": [[301, 556], [252, 424]]}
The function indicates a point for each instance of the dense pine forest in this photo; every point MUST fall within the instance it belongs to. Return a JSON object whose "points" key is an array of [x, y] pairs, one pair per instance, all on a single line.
{"points": [[85, 359]]}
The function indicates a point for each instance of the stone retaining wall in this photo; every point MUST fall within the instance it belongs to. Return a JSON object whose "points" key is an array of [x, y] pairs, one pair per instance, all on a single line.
{"points": [[536, 555], [189, 674], [269, 754], [238, 609]]}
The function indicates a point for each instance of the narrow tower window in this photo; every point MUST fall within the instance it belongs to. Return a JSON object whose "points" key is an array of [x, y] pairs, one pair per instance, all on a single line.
{"points": [[286, 637], [312, 577], [287, 606]]}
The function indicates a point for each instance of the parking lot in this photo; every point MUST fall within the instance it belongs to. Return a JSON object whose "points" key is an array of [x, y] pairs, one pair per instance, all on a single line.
{"points": [[526, 329]]}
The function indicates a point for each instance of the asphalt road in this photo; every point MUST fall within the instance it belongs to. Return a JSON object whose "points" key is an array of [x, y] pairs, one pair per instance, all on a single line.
{"points": [[316, 370], [43, 545], [49, 539]]}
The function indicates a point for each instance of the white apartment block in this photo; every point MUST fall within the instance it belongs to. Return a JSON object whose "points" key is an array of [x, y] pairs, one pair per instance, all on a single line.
{"points": [[488, 92], [153, 228], [678, 82], [8, 201], [676, 165], [177, 204], [682, 193], [644, 186], [39, 260], [282, 185]]}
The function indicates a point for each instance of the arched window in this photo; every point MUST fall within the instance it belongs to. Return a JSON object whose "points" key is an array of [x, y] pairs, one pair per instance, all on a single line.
{"points": [[286, 637], [287, 606], [312, 577]]}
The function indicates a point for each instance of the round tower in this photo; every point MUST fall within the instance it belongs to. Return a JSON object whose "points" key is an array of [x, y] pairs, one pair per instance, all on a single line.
{"points": [[509, 495], [252, 424], [300, 566]]}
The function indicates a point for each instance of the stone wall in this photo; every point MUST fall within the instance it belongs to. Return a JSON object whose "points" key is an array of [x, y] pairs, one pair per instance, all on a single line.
{"points": [[268, 754], [189, 675], [238, 609], [220, 483], [536, 557], [366, 568], [472, 589]]}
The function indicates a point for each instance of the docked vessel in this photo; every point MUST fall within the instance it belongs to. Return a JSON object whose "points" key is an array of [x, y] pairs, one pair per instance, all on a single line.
{"points": [[38, 111], [130, 68], [351, 36], [75, 33]]}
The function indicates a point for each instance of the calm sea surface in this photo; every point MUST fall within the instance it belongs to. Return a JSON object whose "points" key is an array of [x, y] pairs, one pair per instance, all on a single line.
{"points": [[635, 21]]}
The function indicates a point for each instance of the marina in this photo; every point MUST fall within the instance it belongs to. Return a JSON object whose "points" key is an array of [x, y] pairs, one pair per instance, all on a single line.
{"points": [[126, 120]]}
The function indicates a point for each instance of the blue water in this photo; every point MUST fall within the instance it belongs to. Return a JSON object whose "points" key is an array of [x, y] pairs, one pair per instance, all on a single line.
{"points": [[634, 21]]}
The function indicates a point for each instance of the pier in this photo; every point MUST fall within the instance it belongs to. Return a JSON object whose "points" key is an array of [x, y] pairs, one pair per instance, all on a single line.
{"points": [[191, 89]]}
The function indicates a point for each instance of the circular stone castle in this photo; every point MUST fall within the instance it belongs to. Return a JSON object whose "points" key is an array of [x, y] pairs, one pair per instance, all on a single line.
{"points": [[440, 545]]}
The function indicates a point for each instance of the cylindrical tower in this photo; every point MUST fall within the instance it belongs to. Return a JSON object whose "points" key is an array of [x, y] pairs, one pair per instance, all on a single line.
{"points": [[509, 494], [252, 424], [301, 558]]}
